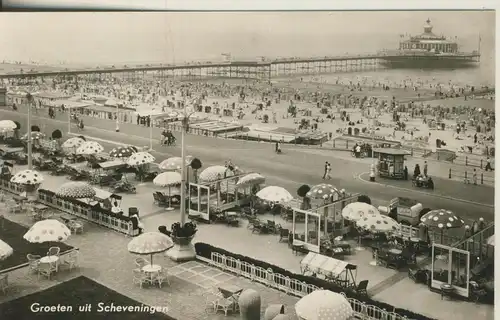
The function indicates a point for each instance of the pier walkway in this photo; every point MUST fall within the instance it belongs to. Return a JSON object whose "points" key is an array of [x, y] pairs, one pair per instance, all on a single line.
{"points": [[262, 68]]}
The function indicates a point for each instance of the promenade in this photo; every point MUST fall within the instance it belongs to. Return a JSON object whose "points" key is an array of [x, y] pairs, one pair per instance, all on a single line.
{"points": [[290, 169], [110, 264]]}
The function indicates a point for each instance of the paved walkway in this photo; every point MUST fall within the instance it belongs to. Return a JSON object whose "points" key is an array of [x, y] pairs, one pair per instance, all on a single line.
{"points": [[461, 191], [288, 170], [110, 263], [105, 259]]}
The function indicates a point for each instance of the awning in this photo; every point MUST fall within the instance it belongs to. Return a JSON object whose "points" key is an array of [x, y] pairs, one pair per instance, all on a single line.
{"points": [[320, 264], [69, 104]]}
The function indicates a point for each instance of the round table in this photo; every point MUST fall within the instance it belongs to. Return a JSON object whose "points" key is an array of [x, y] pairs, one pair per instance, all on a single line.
{"points": [[49, 259], [447, 290], [151, 268]]}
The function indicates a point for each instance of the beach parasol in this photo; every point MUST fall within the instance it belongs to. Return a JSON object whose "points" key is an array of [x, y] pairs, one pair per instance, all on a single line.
{"points": [[441, 219], [35, 135], [323, 191], [150, 243], [324, 305], [168, 179], [76, 190], [89, 147], [72, 143], [47, 231], [7, 126], [140, 158], [275, 194], [378, 223], [250, 179], [27, 177], [5, 250], [215, 173], [174, 163], [122, 152], [357, 210]]}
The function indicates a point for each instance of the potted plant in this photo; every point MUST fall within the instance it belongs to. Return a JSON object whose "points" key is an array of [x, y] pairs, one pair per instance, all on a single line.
{"points": [[182, 235]]}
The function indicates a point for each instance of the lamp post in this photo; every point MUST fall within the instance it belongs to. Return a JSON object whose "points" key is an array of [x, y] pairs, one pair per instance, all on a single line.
{"points": [[117, 128], [29, 99], [185, 122], [69, 121], [151, 133], [183, 249]]}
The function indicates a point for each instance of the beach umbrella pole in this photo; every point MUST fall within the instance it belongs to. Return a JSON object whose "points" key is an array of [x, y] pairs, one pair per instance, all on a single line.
{"points": [[169, 200], [30, 153]]}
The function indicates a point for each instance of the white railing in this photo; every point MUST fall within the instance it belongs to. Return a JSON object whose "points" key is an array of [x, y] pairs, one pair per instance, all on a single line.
{"points": [[293, 286]]}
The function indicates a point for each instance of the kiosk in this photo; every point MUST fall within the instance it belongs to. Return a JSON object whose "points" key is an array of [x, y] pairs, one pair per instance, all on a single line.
{"points": [[391, 162], [309, 226], [217, 196]]}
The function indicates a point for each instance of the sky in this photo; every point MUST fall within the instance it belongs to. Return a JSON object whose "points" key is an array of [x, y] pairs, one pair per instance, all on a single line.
{"points": [[104, 38]]}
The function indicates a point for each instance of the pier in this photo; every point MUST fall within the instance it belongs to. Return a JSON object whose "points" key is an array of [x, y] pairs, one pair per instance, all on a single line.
{"points": [[258, 69]]}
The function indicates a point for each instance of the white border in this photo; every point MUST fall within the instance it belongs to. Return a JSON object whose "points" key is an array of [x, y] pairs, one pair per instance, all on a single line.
{"points": [[231, 5]]}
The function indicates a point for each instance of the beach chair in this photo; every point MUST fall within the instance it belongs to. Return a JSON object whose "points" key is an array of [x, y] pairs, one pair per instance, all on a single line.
{"points": [[4, 282], [71, 259], [141, 262], [33, 262], [162, 277], [47, 269], [54, 251], [140, 277]]}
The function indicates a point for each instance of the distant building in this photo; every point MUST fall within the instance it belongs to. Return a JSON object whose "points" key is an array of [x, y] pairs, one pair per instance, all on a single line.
{"points": [[3, 97]]}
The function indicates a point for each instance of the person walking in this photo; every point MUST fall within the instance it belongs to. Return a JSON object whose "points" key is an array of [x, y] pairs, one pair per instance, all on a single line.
{"points": [[328, 171], [474, 177], [488, 165], [425, 168], [325, 170]]}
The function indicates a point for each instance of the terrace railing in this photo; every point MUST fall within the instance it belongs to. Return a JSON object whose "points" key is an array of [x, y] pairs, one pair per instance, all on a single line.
{"points": [[83, 210], [293, 286], [476, 243]]}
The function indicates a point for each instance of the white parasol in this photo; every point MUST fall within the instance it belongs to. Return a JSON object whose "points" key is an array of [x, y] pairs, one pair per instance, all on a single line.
{"points": [[74, 142], [47, 230], [323, 191], [167, 179], [150, 243], [122, 152], [76, 190], [140, 158], [27, 177], [324, 305], [378, 223], [7, 126], [250, 179], [89, 147], [5, 250], [174, 163], [215, 173], [275, 194], [357, 210]]}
